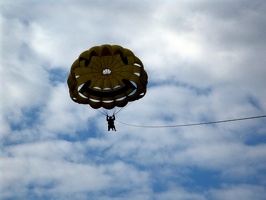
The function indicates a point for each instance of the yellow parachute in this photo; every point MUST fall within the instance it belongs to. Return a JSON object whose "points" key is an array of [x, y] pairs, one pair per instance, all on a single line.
{"points": [[107, 76]]}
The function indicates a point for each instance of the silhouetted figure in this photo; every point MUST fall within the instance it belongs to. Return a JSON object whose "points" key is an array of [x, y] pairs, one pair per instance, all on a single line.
{"points": [[111, 122]]}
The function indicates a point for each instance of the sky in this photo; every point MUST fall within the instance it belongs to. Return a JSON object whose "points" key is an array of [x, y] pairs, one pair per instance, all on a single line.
{"points": [[205, 61]]}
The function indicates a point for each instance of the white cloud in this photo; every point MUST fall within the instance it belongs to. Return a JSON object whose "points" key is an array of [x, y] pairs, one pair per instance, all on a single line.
{"points": [[245, 192], [205, 62], [61, 169], [180, 193]]}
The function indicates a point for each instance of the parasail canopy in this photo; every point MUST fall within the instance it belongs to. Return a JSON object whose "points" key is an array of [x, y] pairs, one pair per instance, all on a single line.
{"points": [[107, 76]]}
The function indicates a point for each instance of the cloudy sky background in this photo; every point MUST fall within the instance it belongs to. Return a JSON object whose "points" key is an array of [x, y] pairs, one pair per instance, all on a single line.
{"points": [[205, 60]]}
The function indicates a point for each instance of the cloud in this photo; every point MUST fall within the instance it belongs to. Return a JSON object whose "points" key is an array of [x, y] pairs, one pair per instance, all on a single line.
{"points": [[59, 169], [205, 62], [240, 191]]}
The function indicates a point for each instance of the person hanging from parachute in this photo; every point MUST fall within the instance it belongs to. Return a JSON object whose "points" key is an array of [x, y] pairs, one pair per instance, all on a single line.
{"points": [[111, 122], [107, 77]]}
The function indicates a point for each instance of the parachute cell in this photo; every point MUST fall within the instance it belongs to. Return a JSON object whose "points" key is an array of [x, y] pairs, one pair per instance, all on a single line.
{"points": [[107, 76]]}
